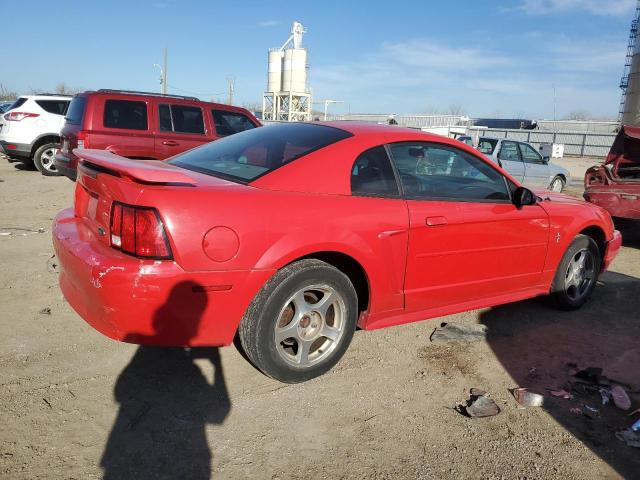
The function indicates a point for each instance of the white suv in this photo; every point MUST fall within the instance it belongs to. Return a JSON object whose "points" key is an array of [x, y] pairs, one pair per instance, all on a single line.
{"points": [[30, 130]]}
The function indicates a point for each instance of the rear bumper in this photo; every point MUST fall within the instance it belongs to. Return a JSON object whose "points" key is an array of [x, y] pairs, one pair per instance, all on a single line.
{"points": [[618, 203], [611, 249], [16, 150], [67, 166], [144, 301]]}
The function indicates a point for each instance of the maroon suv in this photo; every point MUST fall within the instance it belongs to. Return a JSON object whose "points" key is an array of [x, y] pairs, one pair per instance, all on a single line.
{"points": [[144, 126]]}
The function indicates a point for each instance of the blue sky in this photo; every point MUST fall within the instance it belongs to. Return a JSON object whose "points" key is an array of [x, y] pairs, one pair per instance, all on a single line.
{"points": [[493, 58]]}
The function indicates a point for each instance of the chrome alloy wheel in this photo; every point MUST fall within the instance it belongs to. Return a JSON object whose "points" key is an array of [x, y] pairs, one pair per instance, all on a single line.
{"points": [[310, 325], [580, 274], [47, 159]]}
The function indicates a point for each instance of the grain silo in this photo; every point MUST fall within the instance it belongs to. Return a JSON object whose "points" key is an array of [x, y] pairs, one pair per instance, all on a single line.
{"points": [[287, 97]]}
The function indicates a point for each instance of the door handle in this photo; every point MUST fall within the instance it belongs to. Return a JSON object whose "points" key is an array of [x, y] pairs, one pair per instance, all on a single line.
{"points": [[435, 221], [170, 143]]}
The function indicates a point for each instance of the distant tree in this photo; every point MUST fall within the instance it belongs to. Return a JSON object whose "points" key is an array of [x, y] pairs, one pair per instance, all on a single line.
{"points": [[61, 89], [64, 89], [456, 109], [252, 106], [578, 115], [6, 94]]}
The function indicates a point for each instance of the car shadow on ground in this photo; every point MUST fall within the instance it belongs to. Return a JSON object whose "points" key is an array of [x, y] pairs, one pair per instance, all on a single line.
{"points": [[166, 402], [542, 348]]}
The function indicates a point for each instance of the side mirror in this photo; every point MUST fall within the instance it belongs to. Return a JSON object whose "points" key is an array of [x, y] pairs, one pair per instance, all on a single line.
{"points": [[545, 160], [523, 196]]}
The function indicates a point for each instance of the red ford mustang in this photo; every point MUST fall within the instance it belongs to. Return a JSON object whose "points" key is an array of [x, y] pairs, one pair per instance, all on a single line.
{"points": [[293, 235]]}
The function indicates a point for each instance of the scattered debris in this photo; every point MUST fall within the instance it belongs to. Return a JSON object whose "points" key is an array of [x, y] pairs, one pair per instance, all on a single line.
{"points": [[576, 410], [479, 405], [630, 437], [527, 398], [620, 398], [605, 395], [591, 412], [636, 426], [45, 311], [52, 264], [458, 332], [562, 394]]}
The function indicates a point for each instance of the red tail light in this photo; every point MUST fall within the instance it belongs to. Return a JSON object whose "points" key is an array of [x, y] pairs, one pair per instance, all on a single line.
{"points": [[139, 231], [17, 116], [82, 137]]}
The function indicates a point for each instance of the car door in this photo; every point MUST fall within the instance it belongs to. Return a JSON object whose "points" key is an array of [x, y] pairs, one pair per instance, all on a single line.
{"points": [[376, 195], [509, 157], [536, 169], [467, 240], [180, 128]]}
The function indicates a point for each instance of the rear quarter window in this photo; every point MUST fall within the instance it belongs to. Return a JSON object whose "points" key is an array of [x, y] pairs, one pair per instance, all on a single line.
{"points": [[125, 114]]}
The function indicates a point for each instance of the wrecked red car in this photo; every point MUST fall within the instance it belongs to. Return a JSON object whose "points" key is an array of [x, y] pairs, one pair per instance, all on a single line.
{"points": [[615, 185]]}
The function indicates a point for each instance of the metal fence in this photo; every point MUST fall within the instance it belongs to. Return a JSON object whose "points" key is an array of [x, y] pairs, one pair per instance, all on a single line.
{"points": [[575, 143], [412, 121], [590, 126]]}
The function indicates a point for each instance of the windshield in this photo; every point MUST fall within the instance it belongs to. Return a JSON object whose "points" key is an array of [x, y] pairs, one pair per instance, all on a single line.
{"points": [[250, 154], [19, 102]]}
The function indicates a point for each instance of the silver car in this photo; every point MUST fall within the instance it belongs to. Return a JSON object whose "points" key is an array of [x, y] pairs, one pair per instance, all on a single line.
{"points": [[523, 162]]}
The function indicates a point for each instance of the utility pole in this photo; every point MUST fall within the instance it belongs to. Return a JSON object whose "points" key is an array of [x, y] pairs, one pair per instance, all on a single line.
{"points": [[164, 73], [231, 86]]}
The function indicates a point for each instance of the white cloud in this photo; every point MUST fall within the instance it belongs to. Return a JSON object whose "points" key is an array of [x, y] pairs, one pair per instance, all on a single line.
{"points": [[408, 76], [594, 7]]}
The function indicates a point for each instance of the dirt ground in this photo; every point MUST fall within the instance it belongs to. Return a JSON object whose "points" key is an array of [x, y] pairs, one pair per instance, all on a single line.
{"points": [[74, 404]]}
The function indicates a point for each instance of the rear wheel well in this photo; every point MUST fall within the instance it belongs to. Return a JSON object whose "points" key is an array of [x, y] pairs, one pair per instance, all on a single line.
{"points": [[597, 234], [352, 269], [44, 140]]}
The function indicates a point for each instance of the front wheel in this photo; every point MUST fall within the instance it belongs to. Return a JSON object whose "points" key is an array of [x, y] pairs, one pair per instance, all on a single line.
{"points": [[577, 274], [44, 159], [301, 322], [557, 184]]}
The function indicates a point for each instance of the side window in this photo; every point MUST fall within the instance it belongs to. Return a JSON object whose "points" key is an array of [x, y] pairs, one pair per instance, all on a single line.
{"points": [[181, 119], [509, 152], [486, 146], [125, 114], [372, 175], [57, 107], [164, 114], [529, 155], [228, 123], [434, 171]]}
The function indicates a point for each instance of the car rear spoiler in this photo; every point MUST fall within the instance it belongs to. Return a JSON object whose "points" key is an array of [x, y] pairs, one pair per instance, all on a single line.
{"points": [[141, 171]]}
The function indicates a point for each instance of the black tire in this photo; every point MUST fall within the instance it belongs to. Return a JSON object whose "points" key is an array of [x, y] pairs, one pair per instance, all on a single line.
{"points": [[44, 161], [268, 310], [561, 181], [564, 293]]}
